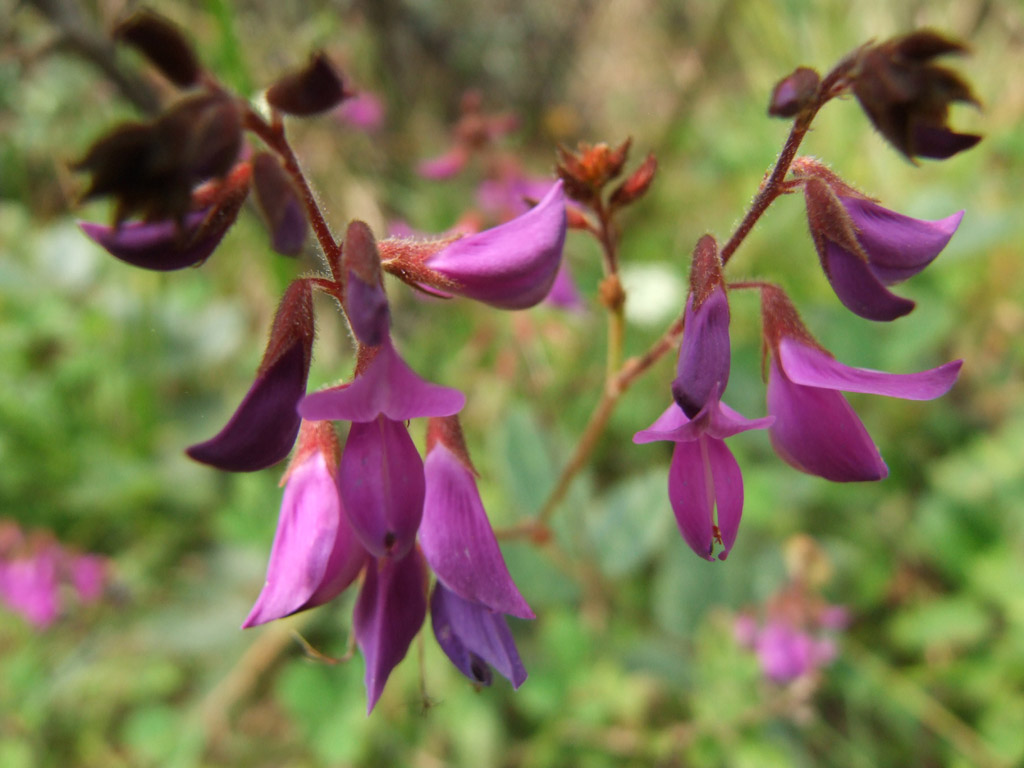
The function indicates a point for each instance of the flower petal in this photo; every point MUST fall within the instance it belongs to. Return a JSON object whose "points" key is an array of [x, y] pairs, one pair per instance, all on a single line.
{"points": [[444, 166], [382, 487], [263, 428], [315, 553], [513, 265], [898, 246], [672, 425], [158, 245], [704, 354], [812, 367], [457, 539], [816, 431], [716, 419], [858, 288], [388, 386], [691, 496], [389, 612], [473, 636], [728, 489]]}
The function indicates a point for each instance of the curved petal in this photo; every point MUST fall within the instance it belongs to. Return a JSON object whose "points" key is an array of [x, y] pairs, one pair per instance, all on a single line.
{"points": [[728, 483], [704, 354], [474, 637], [816, 431], [315, 553], [691, 496], [389, 612], [672, 425], [725, 422], [457, 539], [160, 245], [857, 287], [812, 367], [262, 430], [898, 246], [513, 265], [388, 386], [716, 419], [939, 143], [382, 487]]}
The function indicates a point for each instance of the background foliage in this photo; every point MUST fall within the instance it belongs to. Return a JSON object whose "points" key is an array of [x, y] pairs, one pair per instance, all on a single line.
{"points": [[108, 372]]}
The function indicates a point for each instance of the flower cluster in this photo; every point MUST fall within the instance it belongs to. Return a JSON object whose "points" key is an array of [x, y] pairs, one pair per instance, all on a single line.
{"points": [[863, 248], [37, 574]]}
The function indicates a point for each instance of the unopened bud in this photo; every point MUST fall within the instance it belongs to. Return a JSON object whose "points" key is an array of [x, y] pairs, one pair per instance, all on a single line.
{"points": [[794, 92], [316, 88], [163, 43], [637, 184]]}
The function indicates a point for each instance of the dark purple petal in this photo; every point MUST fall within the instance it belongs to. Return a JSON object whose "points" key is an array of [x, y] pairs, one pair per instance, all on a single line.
{"points": [[898, 246], [457, 539], [388, 386], [382, 486], [389, 612], [366, 307], [473, 637], [816, 431], [691, 497], [290, 228], [704, 354], [811, 367], [728, 492], [513, 265], [939, 143], [263, 428], [160, 245], [315, 553], [858, 288]]}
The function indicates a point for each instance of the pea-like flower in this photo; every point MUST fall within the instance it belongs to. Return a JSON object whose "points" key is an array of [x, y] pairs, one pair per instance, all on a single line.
{"points": [[815, 429]]}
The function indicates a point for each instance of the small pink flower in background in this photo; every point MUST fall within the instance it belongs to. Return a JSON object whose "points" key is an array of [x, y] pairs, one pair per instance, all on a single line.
{"points": [[365, 111], [37, 574]]}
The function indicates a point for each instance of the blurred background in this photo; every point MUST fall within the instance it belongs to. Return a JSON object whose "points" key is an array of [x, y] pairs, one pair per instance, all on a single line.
{"points": [[640, 654]]}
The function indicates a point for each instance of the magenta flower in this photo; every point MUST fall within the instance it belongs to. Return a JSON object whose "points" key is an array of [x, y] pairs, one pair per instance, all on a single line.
{"points": [[475, 638], [88, 575], [455, 534], [263, 428], [785, 652], [705, 485], [315, 554], [444, 166], [815, 429], [511, 266], [30, 585], [864, 247], [389, 612], [364, 110]]}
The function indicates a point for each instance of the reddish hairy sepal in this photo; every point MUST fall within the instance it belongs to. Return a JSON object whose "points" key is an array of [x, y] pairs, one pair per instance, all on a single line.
{"points": [[163, 43], [447, 431], [317, 87], [636, 186], [804, 168], [780, 319], [293, 324], [314, 437], [705, 271], [405, 259], [828, 219], [794, 93]]}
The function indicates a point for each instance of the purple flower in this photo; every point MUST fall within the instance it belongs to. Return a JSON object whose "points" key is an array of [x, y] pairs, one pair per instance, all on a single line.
{"points": [[88, 574], [511, 266], [815, 429], [456, 535], [786, 652], [475, 638], [262, 430], [704, 480], [315, 555], [29, 585], [444, 166], [389, 612], [864, 247]]}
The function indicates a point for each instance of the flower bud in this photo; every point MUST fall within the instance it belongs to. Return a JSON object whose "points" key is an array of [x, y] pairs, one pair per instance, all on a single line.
{"points": [[794, 92], [317, 87], [279, 204], [163, 43]]}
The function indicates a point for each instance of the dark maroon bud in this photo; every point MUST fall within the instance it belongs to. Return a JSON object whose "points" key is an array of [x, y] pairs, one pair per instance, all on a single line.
{"points": [[279, 203], [366, 304], [637, 184], [794, 92], [163, 43], [204, 134], [316, 88], [907, 96]]}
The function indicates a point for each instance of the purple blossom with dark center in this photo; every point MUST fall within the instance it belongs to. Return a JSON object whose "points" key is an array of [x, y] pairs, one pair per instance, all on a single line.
{"points": [[315, 554], [263, 428], [475, 638], [864, 247], [456, 535], [705, 485], [389, 612], [815, 429], [511, 266]]}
